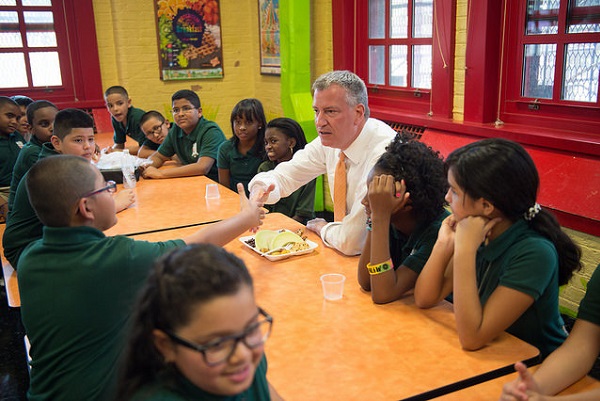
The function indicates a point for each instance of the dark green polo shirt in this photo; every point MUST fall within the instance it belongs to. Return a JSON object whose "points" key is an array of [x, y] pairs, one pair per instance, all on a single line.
{"points": [[23, 225], [589, 309], [131, 129], [242, 168], [522, 259], [414, 250], [77, 290], [27, 158], [175, 387], [300, 203], [203, 141], [10, 146]]}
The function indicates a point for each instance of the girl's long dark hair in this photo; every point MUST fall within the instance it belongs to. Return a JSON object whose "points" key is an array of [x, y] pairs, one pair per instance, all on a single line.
{"points": [[502, 172], [251, 110], [179, 281]]}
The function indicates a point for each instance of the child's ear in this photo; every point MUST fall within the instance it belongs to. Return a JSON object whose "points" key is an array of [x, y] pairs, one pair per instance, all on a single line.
{"points": [[293, 142], [56, 142], [164, 345], [128, 102], [488, 208], [84, 209]]}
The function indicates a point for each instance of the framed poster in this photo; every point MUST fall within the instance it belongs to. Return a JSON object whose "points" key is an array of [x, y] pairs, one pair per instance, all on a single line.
{"points": [[189, 39], [268, 25]]}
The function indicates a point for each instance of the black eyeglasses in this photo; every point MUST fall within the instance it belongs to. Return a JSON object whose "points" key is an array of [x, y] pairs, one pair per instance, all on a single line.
{"points": [[111, 188], [155, 130], [220, 350]]}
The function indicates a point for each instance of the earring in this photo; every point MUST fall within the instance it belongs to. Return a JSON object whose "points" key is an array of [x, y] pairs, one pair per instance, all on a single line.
{"points": [[292, 150]]}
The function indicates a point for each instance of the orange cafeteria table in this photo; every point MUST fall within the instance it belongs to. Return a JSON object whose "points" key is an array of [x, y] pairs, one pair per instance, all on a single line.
{"points": [[174, 203], [492, 389], [353, 349]]}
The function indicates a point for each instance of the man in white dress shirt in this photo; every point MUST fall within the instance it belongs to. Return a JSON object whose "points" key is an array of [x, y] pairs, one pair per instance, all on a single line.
{"points": [[342, 120]]}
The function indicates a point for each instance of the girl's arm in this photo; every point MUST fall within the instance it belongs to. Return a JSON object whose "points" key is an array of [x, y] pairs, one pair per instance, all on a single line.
{"points": [[224, 177], [363, 274], [477, 325], [569, 363], [435, 280]]}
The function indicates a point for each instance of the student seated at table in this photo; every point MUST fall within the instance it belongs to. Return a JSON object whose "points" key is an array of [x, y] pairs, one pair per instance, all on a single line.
{"points": [[501, 255], [283, 138], [194, 140], [77, 286], [570, 362], [40, 117], [73, 135], [155, 127], [125, 120], [24, 125], [197, 332], [240, 156], [405, 208], [11, 143]]}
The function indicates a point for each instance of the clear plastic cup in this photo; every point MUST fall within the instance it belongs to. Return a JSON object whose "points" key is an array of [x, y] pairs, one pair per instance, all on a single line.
{"points": [[333, 286], [212, 191]]}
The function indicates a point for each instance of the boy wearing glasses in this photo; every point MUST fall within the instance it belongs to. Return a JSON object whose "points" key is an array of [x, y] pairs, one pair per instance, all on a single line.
{"points": [[73, 134], [194, 140], [125, 120], [78, 286], [155, 127]]}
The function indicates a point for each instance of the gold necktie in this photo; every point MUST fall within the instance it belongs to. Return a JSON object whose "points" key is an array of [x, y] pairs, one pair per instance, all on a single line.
{"points": [[339, 189]]}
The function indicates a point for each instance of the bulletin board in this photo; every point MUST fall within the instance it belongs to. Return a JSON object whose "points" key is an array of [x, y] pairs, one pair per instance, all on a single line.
{"points": [[189, 39]]}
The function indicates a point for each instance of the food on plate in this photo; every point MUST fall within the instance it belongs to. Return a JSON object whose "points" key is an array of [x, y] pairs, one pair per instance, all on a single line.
{"points": [[267, 240]]}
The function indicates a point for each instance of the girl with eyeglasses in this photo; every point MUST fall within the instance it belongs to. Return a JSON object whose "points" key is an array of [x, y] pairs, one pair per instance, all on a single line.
{"points": [[197, 332]]}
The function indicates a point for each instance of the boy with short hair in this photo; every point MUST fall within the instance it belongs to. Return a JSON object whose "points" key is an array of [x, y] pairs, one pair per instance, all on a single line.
{"points": [[77, 286], [74, 135], [40, 116], [125, 119], [11, 142], [155, 127], [194, 140], [24, 126]]}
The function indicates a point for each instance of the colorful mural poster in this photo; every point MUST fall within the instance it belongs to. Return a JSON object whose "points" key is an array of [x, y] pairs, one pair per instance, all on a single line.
{"points": [[270, 58], [189, 39]]}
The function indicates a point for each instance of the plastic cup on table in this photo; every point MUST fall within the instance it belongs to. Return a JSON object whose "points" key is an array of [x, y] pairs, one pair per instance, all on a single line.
{"points": [[333, 286], [212, 191]]}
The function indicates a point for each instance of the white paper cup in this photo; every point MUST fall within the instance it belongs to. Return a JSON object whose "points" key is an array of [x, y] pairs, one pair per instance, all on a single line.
{"points": [[212, 191], [333, 286]]}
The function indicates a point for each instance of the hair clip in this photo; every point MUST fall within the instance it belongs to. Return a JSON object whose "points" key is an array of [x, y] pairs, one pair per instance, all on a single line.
{"points": [[532, 212]]}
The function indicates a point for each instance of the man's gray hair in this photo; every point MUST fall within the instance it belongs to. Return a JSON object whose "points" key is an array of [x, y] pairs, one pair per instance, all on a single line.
{"points": [[356, 91]]}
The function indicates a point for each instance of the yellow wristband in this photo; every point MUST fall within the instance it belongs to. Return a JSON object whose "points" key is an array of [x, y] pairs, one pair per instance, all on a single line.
{"points": [[380, 267]]}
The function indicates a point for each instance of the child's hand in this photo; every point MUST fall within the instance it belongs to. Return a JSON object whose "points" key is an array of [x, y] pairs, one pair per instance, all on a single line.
{"points": [[252, 209], [108, 149], [473, 230], [386, 196], [521, 388], [124, 198], [260, 193], [447, 231], [152, 172]]}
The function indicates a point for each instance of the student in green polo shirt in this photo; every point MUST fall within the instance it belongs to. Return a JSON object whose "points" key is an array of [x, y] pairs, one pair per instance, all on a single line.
{"points": [[197, 332], [569, 363], [73, 135], [500, 253], [40, 117], [77, 286], [11, 143], [125, 120], [194, 140], [405, 208]]}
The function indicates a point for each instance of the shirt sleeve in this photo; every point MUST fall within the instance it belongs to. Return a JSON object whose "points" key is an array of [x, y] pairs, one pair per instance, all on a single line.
{"points": [[223, 158], [119, 135], [166, 148], [210, 142]]}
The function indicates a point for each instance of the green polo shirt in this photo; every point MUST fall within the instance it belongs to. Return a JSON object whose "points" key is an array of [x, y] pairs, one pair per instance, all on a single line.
{"points": [[300, 203], [203, 141], [522, 259], [23, 225], [151, 145], [414, 250], [589, 309], [10, 146], [77, 290], [131, 129], [27, 158], [242, 168], [175, 387]]}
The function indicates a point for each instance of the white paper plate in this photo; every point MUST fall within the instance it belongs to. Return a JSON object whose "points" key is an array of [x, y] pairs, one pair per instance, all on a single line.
{"points": [[274, 258]]}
